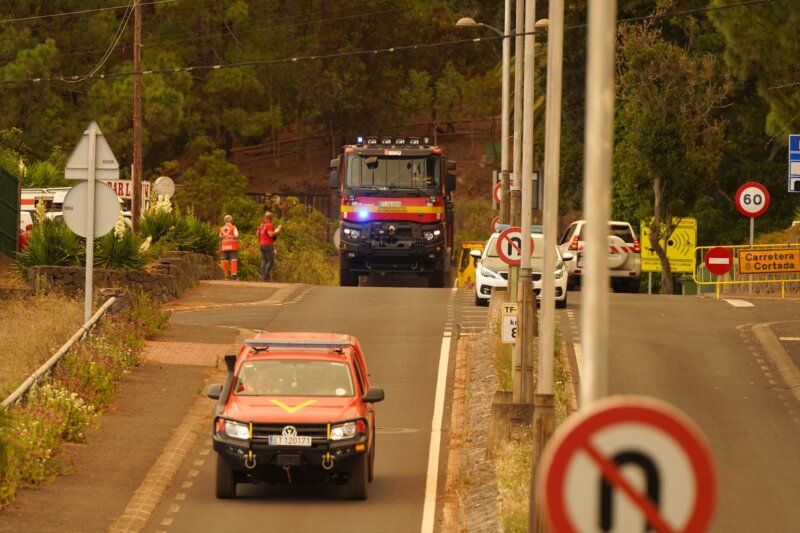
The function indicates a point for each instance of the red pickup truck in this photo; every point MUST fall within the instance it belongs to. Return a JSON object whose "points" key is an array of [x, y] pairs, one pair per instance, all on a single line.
{"points": [[295, 408]]}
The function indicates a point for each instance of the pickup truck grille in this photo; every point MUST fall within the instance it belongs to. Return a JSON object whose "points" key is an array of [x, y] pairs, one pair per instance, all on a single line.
{"points": [[315, 431]]}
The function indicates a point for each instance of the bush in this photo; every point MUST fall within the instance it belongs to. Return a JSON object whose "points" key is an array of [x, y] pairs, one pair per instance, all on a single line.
{"points": [[121, 251], [51, 243], [82, 383]]}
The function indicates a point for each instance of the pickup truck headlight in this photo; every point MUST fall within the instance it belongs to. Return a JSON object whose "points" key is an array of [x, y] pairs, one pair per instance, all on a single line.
{"points": [[352, 234], [431, 234], [237, 430], [490, 273], [348, 430]]}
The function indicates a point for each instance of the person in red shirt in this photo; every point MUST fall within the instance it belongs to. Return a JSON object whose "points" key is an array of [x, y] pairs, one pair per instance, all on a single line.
{"points": [[25, 237], [228, 247], [266, 241]]}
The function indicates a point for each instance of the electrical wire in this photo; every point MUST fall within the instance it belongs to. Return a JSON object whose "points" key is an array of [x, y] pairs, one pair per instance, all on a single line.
{"points": [[82, 12], [358, 52]]}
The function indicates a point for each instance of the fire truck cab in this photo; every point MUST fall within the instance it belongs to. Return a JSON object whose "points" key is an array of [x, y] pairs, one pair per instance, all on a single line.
{"points": [[396, 208]]}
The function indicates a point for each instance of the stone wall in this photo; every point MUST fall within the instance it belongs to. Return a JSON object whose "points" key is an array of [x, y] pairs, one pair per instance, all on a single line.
{"points": [[164, 280]]}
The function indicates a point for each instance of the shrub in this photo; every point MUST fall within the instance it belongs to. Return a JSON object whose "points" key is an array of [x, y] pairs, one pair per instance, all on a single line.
{"points": [[51, 243], [121, 251], [73, 412], [156, 223]]}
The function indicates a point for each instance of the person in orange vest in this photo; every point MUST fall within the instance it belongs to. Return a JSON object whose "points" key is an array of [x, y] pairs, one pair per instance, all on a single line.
{"points": [[228, 246]]}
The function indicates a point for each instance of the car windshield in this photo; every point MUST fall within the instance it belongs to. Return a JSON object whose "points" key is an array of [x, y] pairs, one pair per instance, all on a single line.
{"points": [[393, 173], [293, 377]]}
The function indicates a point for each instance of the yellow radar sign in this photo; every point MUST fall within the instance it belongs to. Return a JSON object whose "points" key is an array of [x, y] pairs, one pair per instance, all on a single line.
{"points": [[680, 246]]}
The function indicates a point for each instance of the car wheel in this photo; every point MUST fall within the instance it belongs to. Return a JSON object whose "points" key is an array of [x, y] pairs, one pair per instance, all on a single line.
{"points": [[226, 480], [561, 304], [357, 480]]}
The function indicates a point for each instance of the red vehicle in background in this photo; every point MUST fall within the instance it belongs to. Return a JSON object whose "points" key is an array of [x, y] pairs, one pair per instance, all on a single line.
{"points": [[295, 408], [396, 209]]}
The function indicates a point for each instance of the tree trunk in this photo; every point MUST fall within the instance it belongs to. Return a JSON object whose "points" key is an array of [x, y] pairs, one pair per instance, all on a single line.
{"points": [[656, 235]]}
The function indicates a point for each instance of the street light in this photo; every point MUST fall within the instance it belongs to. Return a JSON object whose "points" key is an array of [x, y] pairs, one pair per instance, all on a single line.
{"points": [[504, 123]]}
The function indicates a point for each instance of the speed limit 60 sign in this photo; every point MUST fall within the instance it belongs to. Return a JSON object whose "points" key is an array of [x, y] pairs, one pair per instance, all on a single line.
{"points": [[752, 199]]}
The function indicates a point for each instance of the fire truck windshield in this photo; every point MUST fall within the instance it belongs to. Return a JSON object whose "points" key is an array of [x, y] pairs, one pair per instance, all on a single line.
{"points": [[393, 173]]}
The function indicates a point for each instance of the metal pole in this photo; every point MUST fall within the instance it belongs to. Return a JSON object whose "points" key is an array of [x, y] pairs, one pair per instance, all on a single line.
{"points": [[752, 229], [505, 202], [526, 306], [89, 280], [544, 420], [519, 43], [599, 146], [136, 194]]}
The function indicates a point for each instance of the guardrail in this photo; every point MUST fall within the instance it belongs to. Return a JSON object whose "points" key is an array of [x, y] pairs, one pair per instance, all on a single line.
{"points": [[760, 265], [47, 367]]}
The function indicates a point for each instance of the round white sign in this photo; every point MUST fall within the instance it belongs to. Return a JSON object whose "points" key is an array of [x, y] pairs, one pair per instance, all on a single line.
{"points": [[106, 208]]}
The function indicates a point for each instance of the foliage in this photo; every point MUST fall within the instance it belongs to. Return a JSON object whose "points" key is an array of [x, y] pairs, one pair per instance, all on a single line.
{"points": [[51, 243], [670, 135], [472, 221], [513, 482], [209, 184], [65, 407], [247, 214], [121, 251]]}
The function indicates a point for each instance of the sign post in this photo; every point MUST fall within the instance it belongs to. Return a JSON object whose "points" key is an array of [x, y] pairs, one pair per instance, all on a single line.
{"points": [[91, 159], [719, 262], [752, 200], [794, 163], [627, 463]]}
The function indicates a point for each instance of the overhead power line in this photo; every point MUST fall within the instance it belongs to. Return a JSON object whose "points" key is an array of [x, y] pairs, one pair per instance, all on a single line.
{"points": [[360, 52], [81, 12]]}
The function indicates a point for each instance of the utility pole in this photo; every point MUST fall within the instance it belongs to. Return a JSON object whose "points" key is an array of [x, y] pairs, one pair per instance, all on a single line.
{"points": [[136, 195]]}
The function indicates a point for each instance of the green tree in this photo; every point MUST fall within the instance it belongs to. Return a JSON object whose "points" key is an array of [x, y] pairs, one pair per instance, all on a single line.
{"points": [[209, 184], [669, 135]]}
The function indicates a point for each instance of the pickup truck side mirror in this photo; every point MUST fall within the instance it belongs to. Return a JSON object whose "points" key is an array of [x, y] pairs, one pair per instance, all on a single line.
{"points": [[214, 391], [374, 394]]}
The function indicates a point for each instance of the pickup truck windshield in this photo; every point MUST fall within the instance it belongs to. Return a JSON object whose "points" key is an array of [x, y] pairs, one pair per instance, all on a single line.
{"points": [[393, 173]]}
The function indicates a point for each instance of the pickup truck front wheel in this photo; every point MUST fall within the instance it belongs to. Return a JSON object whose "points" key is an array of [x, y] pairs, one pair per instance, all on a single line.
{"points": [[226, 480], [357, 482]]}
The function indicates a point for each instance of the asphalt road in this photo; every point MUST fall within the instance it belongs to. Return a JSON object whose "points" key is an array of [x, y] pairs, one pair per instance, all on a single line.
{"points": [[699, 354], [702, 356]]}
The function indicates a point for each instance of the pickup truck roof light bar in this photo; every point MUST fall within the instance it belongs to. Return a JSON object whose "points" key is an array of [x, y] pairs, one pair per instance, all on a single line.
{"points": [[263, 344]]}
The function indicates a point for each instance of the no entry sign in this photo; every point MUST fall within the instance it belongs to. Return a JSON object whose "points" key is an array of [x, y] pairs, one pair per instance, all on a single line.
{"points": [[718, 260], [509, 245], [627, 463]]}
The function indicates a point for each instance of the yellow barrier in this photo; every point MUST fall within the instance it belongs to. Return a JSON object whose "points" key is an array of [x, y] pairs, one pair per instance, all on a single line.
{"points": [[758, 265]]}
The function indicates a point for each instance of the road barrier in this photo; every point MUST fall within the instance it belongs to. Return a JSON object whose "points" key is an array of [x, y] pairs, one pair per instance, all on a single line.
{"points": [[760, 267], [46, 368]]}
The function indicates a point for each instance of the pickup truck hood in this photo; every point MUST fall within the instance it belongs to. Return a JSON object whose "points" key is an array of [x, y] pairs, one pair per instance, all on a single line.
{"points": [[292, 409]]}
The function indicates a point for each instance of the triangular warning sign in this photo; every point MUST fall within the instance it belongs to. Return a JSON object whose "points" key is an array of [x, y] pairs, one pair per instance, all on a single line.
{"points": [[105, 164]]}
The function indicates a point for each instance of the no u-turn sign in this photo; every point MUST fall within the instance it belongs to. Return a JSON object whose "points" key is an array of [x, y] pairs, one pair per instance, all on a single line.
{"points": [[626, 464]]}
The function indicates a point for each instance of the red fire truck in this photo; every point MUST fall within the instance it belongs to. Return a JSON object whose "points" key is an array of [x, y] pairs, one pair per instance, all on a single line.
{"points": [[396, 208]]}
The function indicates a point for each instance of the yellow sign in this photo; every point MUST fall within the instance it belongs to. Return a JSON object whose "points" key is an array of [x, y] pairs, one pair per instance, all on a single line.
{"points": [[773, 261], [680, 247]]}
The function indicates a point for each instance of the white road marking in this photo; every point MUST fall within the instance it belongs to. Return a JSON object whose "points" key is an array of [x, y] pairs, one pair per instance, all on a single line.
{"points": [[738, 303], [579, 359], [789, 338], [429, 510]]}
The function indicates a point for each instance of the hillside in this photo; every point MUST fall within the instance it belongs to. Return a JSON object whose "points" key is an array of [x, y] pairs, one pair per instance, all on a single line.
{"points": [[291, 166]]}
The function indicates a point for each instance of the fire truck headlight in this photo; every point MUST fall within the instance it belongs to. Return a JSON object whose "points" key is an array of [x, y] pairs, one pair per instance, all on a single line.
{"points": [[353, 234], [430, 235]]}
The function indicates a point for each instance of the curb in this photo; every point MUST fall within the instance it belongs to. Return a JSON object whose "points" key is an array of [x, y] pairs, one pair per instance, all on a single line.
{"points": [[780, 358]]}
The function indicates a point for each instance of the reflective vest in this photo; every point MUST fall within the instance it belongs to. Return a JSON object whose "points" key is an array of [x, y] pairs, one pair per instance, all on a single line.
{"points": [[230, 238]]}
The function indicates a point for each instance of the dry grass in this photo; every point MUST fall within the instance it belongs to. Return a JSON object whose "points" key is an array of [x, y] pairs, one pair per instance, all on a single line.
{"points": [[31, 330]]}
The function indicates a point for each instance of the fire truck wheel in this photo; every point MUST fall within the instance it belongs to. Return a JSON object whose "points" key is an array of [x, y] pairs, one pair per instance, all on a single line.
{"points": [[226, 482], [346, 277], [357, 480]]}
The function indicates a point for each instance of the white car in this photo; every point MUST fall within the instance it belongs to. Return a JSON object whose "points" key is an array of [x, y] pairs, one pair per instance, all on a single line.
{"points": [[491, 272], [624, 254]]}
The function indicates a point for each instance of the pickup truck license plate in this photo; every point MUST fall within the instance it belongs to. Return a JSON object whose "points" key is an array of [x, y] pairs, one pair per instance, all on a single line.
{"points": [[281, 440]]}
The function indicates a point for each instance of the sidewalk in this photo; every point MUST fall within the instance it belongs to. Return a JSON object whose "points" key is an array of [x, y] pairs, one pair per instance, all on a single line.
{"points": [[150, 407]]}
